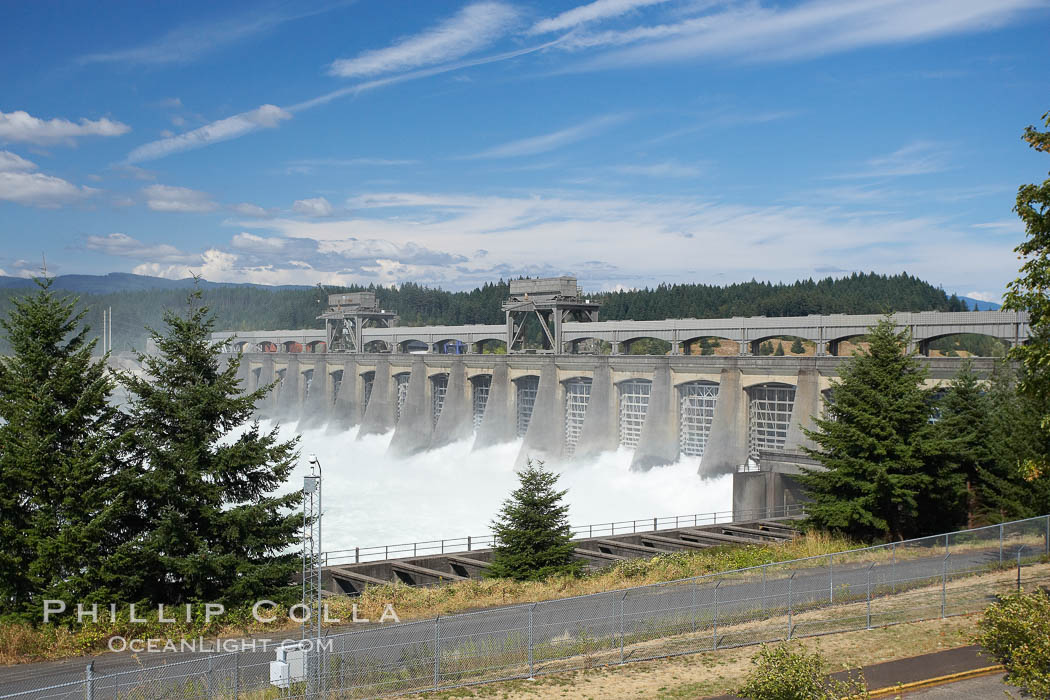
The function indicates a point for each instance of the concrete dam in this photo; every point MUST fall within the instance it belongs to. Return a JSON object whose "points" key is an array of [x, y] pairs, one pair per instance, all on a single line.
{"points": [[563, 402]]}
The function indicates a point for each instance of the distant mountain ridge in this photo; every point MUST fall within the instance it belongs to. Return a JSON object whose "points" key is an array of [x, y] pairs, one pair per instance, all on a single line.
{"points": [[127, 282], [979, 305]]}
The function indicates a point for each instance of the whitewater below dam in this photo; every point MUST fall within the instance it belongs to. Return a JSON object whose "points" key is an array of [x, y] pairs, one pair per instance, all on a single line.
{"points": [[370, 498]]}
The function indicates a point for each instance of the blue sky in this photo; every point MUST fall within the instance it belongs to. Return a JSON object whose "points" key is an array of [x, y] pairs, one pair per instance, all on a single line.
{"points": [[627, 141]]}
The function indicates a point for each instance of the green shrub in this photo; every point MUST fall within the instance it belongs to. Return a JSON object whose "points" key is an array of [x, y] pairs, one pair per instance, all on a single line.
{"points": [[789, 672], [1016, 631]]}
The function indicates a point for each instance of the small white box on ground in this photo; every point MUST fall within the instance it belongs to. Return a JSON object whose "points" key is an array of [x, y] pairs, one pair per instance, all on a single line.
{"points": [[290, 665]]}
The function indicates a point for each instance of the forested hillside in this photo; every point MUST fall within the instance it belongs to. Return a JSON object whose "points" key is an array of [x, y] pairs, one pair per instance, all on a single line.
{"points": [[262, 308]]}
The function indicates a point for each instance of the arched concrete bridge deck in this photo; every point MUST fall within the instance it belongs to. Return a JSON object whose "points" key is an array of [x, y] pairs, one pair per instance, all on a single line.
{"points": [[824, 331]]}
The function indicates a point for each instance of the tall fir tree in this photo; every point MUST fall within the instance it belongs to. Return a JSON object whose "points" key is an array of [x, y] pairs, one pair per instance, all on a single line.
{"points": [[58, 451], [203, 524], [1029, 293], [958, 456], [871, 440], [797, 348], [532, 528]]}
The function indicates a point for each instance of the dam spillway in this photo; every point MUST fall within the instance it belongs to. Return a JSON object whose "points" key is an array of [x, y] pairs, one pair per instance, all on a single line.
{"points": [[723, 409]]}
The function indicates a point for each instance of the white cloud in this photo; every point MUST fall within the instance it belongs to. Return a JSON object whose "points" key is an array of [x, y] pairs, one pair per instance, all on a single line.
{"points": [[249, 209], [918, 158], [752, 32], [664, 169], [318, 206], [178, 199], [553, 140], [472, 28], [25, 128], [19, 183], [191, 41], [264, 117], [125, 246], [591, 12], [985, 296], [212, 264], [14, 163]]}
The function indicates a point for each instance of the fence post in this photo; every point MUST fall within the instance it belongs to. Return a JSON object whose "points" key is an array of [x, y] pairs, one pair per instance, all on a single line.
{"points": [[622, 599], [89, 681], [790, 580], [1019, 550], [468, 543], [714, 618], [414, 550], [437, 652], [357, 555], [211, 668], [764, 567], [831, 578], [590, 530], [869, 594], [531, 637], [893, 568], [442, 546], [654, 524], [692, 605], [236, 675], [944, 583], [1000, 544]]}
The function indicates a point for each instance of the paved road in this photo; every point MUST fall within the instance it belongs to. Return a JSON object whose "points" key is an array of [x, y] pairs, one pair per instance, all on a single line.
{"points": [[558, 628]]}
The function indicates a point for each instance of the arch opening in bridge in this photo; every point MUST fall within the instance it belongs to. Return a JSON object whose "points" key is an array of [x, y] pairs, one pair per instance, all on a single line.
{"points": [[577, 396], [964, 345], [267, 346], [316, 346], [696, 413], [710, 345], [526, 389], [481, 385], [376, 346], [450, 346], [242, 346], [412, 346], [769, 416], [783, 346], [645, 345], [401, 388], [848, 344], [590, 346], [491, 346], [337, 383], [368, 380], [292, 346], [634, 403], [438, 391]]}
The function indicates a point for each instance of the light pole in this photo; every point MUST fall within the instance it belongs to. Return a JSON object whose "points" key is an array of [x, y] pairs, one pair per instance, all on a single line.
{"points": [[312, 557]]}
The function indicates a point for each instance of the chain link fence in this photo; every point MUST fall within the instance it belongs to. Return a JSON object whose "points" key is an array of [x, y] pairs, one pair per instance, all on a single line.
{"points": [[932, 577]]}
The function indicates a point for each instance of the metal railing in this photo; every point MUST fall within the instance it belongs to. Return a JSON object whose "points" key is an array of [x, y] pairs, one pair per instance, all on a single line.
{"points": [[932, 577], [358, 555]]}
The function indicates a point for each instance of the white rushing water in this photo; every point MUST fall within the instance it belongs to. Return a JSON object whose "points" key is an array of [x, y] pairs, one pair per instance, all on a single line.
{"points": [[372, 499]]}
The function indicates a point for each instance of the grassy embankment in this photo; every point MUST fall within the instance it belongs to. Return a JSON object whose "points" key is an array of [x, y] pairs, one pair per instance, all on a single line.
{"points": [[22, 642]]}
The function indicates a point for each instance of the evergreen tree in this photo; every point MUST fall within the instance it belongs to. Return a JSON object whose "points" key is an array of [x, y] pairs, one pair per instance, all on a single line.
{"points": [[871, 440], [532, 529], [765, 348], [958, 457], [202, 524], [1029, 293], [797, 348], [780, 349], [58, 447]]}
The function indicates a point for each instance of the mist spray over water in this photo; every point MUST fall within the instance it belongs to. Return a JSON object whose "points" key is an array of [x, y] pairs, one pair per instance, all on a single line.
{"points": [[372, 499]]}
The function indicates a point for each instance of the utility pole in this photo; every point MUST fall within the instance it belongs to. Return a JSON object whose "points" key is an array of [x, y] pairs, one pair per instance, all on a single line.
{"points": [[312, 568]]}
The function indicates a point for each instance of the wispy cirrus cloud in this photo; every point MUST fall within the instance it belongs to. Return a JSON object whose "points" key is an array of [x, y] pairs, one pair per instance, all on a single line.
{"points": [[917, 158], [754, 33], [189, 42], [664, 169], [317, 206], [592, 12], [264, 117], [21, 184], [553, 140], [23, 127], [471, 29]]}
